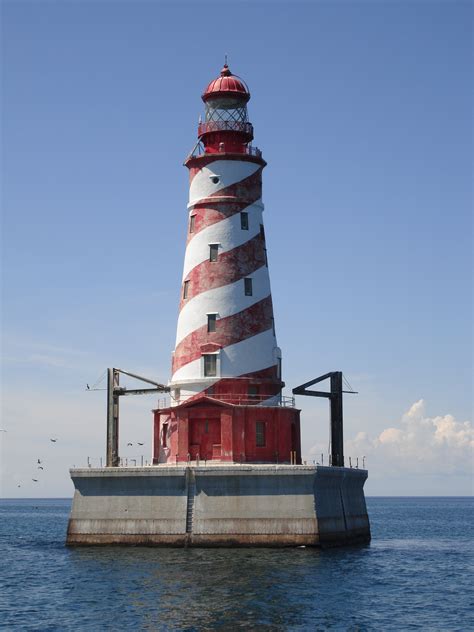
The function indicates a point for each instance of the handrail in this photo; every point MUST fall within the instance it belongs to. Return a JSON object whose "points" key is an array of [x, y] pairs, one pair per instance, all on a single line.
{"points": [[222, 126], [248, 150], [237, 399]]}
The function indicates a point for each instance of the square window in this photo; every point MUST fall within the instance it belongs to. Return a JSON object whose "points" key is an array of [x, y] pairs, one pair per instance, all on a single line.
{"points": [[253, 391], [213, 252], [186, 289], [210, 365], [244, 220], [260, 434], [192, 223], [248, 287], [211, 323]]}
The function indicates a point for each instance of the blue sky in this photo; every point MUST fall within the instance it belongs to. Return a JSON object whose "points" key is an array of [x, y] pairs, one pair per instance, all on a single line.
{"points": [[362, 111]]}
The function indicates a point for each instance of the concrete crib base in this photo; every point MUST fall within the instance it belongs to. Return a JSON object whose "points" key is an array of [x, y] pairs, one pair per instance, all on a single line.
{"points": [[219, 505]]}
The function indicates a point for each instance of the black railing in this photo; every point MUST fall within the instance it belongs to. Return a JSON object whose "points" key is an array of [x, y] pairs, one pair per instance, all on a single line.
{"points": [[200, 150], [237, 399], [225, 126]]}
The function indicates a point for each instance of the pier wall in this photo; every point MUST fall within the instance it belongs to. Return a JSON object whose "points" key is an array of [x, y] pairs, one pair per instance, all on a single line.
{"points": [[219, 505]]}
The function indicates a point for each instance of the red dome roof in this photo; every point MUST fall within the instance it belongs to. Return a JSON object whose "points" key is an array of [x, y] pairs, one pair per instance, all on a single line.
{"points": [[227, 85]]}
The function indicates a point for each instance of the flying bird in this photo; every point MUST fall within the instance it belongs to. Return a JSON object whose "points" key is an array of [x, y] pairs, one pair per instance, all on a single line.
{"points": [[140, 443], [35, 480], [40, 467], [88, 387], [129, 444], [18, 485], [39, 461], [53, 440]]}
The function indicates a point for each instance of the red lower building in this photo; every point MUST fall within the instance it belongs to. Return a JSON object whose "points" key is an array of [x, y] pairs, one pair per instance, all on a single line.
{"points": [[206, 429]]}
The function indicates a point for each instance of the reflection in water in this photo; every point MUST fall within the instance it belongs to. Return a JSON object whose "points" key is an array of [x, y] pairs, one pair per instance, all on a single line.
{"points": [[201, 589]]}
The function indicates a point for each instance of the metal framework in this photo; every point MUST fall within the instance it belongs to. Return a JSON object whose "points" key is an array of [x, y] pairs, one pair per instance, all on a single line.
{"points": [[114, 391], [335, 398]]}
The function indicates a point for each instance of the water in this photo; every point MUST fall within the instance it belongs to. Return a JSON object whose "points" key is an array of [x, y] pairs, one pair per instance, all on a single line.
{"points": [[413, 576]]}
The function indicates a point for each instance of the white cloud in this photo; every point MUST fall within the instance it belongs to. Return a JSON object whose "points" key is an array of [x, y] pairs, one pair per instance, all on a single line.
{"points": [[419, 443], [418, 455]]}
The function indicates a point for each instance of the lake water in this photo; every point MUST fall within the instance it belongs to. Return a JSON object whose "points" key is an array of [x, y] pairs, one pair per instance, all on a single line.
{"points": [[415, 575]]}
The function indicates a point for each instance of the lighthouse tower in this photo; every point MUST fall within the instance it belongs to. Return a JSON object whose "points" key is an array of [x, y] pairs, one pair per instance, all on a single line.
{"points": [[226, 383]]}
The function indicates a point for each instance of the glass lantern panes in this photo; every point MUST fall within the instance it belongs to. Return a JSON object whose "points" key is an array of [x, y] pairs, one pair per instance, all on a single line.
{"points": [[226, 109]]}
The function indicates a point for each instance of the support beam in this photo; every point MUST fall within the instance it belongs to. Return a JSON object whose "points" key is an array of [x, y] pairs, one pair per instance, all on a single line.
{"points": [[114, 391], [336, 417], [112, 459], [337, 439]]}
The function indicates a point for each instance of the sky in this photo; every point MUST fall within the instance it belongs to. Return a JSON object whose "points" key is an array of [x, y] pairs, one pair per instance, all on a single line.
{"points": [[362, 111]]}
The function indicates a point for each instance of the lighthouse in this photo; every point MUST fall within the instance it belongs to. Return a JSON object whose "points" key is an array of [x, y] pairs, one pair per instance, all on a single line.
{"points": [[226, 386], [226, 464]]}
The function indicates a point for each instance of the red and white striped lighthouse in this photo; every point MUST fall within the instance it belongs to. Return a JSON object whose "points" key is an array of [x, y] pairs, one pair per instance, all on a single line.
{"points": [[226, 401]]}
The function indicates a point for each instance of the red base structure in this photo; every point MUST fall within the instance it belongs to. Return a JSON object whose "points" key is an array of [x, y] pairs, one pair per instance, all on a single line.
{"points": [[206, 429]]}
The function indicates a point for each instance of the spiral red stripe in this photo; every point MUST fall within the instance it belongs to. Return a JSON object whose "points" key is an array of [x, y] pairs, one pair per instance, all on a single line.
{"points": [[209, 213], [249, 322], [230, 267]]}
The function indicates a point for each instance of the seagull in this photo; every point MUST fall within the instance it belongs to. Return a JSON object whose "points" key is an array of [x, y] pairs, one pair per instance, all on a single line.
{"points": [[40, 467], [53, 440], [129, 444], [88, 387], [39, 461], [35, 480], [140, 443]]}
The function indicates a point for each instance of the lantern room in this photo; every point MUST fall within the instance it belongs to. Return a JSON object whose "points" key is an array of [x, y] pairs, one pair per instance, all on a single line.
{"points": [[226, 127]]}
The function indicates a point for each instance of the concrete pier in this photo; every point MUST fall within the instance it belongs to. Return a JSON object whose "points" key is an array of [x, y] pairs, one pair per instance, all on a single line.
{"points": [[219, 505]]}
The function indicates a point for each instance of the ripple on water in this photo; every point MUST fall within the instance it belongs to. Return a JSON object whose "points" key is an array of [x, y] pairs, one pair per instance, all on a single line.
{"points": [[414, 575]]}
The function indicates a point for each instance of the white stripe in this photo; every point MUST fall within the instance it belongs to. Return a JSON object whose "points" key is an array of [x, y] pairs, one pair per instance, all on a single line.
{"points": [[247, 356], [227, 233], [191, 388], [226, 301], [228, 171]]}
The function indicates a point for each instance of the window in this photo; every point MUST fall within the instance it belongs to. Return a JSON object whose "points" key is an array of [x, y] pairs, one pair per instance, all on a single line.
{"points": [[265, 255], [273, 325], [192, 223], [206, 426], [279, 368], [244, 220], [262, 231], [186, 289], [214, 179], [211, 323], [248, 287], [210, 365], [253, 391], [260, 434], [213, 251]]}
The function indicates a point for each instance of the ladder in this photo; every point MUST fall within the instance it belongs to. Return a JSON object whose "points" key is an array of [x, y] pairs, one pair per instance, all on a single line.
{"points": [[190, 501]]}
